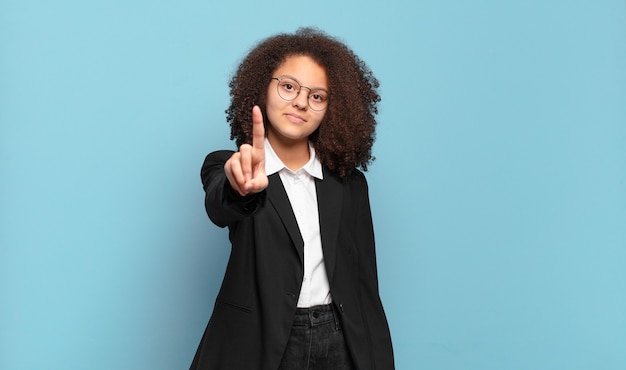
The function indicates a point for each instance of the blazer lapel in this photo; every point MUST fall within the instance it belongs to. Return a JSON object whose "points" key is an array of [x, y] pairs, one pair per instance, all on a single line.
{"points": [[277, 195], [329, 203]]}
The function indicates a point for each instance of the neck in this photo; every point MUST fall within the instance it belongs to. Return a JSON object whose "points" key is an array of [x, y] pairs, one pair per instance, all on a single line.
{"points": [[293, 153]]}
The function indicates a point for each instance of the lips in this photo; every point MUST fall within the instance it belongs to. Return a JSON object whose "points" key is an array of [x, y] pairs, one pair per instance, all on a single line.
{"points": [[295, 118]]}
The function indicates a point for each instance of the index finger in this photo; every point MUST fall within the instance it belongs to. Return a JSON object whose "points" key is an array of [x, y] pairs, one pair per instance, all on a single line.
{"points": [[258, 131]]}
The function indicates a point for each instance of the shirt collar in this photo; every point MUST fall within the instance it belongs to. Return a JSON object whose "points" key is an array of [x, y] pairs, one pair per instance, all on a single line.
{"points": [[273, 164]]}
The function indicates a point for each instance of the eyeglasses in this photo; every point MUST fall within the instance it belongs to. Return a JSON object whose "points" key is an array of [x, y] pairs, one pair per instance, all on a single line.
{"points": [[288, 89]]}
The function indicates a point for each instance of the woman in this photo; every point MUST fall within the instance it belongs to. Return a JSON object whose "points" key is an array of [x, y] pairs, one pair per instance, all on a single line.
{"points": [[300, 290]]}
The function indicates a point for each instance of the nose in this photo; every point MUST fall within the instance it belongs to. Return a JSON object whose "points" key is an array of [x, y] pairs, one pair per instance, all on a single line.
{"points": [[302, 99]]}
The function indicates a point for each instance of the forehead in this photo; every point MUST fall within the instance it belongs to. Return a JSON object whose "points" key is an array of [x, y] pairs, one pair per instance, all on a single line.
{"points": [[304, 69]]}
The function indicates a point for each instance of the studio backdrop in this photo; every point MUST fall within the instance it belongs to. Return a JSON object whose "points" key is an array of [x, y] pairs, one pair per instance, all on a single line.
{"points": [[498, 191]]}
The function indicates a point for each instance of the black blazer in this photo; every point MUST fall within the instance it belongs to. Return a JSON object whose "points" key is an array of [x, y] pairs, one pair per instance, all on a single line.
{"points": [[256, 304]]}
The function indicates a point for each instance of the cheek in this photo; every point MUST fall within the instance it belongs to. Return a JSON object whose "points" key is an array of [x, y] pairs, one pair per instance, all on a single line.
{"points": [[320, 119], [273, 102], [268, 99]]}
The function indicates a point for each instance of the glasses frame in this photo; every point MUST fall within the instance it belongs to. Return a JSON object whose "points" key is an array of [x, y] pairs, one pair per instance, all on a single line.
{"points": [[308, 100]]}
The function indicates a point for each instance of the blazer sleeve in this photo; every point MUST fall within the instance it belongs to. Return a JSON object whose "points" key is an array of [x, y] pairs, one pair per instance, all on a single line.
{"points": [[374, 316], [223, 205]]}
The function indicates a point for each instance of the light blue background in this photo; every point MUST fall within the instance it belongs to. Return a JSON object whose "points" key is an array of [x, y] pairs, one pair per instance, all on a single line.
{"points": [[499, 189]]}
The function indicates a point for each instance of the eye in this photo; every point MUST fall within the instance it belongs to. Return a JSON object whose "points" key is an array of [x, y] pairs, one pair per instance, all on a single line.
{"points": [[288, 86], [318, 96]]}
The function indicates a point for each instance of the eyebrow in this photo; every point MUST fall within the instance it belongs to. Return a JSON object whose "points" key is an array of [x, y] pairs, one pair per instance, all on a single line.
{"points": [[298, 81]]}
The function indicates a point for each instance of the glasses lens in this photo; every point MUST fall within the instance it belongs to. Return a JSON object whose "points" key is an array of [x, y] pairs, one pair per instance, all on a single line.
{"points": [[288, 89], [318, 99]]}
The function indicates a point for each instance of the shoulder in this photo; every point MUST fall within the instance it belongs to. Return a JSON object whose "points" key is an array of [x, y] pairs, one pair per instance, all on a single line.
{"points": [[357, 175], [356, 178], [219, 156], [216, 160], [214, 164]]}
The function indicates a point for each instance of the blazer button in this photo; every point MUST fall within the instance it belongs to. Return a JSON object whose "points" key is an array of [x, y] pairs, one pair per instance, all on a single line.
{"points": [[341, 307]]}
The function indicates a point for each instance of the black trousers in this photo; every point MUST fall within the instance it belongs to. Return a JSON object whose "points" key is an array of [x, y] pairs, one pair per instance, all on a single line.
{"points": [[316, 341]]}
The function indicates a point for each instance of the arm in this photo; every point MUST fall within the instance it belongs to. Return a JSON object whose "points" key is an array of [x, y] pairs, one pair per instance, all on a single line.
{"points": [[235, 182], [374, 315], [223, 204]]}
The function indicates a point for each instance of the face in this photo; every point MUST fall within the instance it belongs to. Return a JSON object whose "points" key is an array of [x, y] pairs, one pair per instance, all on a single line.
{"points": [[293, 121]]}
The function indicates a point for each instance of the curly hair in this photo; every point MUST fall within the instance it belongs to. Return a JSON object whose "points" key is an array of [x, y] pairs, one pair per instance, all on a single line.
{"points": [[345, 137]]}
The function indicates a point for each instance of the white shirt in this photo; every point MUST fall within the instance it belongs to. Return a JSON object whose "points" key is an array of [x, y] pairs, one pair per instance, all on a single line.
{"points": [[300, 188]]}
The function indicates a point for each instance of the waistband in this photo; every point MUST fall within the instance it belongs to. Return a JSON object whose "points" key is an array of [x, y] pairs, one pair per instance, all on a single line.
{"points": [[316, 315], [324, 308]]}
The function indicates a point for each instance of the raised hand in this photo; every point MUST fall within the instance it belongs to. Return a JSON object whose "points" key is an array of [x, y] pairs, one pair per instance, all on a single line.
{"points": [[245, 169]]}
